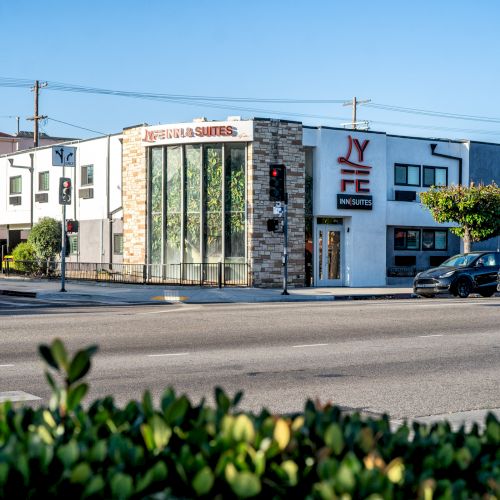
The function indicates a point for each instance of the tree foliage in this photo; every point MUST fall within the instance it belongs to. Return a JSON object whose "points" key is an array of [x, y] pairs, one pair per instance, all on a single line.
{"points": [[476, 210], [46, 238]]}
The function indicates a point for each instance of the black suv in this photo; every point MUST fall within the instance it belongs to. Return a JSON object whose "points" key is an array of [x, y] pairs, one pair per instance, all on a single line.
{"points": [[461, 275]]}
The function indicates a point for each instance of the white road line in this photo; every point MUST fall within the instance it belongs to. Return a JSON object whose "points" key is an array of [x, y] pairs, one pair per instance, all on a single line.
{"points": [[168, 354], [5, 366], [310, 345], [425, 336], [17, 396], [179, 309]]}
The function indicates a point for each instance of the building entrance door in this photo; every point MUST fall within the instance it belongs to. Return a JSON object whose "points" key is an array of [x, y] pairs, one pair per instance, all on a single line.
{"points": [[329, 256]]}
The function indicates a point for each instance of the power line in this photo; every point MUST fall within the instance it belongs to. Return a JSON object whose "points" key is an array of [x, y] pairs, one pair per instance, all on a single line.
{"points": [[223, 102], [76, 126], [440, 114]]}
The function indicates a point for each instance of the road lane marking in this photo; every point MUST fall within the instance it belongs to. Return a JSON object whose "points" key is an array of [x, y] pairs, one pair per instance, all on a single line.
{"points": [[5, 366], [310, 345], [168, 354], [17, 396], [425, 336], [178, 309]]}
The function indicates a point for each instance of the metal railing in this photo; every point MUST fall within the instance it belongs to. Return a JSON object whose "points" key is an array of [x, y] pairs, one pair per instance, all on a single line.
{"points": [[203, 274], [402, 271]]}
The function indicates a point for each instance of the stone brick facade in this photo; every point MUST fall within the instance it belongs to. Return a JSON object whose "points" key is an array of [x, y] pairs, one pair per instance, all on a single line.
{"points": [[275, 141], [134, 188]]}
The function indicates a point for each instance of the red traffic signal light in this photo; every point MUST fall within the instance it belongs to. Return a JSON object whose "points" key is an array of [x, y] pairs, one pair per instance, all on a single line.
{"points": [[71, 226], [64, 191], [277, 175]]}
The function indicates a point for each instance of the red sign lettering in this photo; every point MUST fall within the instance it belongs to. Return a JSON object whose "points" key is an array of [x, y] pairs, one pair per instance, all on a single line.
{"points": [[358, 167]]}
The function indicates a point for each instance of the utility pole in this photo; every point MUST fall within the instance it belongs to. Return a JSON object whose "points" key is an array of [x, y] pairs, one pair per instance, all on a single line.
{"points": [[36, 89], [354, 103]]}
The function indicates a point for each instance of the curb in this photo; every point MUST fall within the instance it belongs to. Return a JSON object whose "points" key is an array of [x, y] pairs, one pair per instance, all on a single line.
{"points": [[17, 293]]}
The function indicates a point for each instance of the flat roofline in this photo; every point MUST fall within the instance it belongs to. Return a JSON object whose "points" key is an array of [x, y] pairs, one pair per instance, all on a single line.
{"points": [[48, 146], [483, 142], [440, 139]]}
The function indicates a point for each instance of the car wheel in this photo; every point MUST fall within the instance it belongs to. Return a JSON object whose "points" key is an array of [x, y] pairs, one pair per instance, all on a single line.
{"points": [[464, 288], [487, 293]]}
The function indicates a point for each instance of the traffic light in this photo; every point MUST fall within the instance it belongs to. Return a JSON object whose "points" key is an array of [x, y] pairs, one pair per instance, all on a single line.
{"points": [[273, 225], [277, 174], [71, 226], [64, 191]]}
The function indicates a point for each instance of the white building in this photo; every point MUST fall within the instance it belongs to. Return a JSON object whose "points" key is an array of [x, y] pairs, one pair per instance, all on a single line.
{"points": [[29, 190]]}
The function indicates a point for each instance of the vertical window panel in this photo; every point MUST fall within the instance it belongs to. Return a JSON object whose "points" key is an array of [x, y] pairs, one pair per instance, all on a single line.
{"points": [[440, 174], [212, 233], [192, 243], [235, 202], [413, 176], [173, 204], [156, 220]]}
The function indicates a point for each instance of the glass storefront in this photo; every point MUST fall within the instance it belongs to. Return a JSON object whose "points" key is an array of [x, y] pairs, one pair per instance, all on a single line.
{"points": [[197, 204]]}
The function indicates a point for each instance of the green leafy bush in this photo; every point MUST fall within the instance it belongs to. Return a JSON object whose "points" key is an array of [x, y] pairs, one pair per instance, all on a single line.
{"points": [[181, 450], [24, 258], [45, 236]]}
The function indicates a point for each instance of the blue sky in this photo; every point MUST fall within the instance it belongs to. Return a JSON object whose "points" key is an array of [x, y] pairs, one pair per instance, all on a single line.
{"points": [[434, 55]]}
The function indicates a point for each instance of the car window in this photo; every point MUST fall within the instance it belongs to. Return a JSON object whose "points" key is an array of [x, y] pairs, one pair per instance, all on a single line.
{"points": [[490, 260], [460, 260]]}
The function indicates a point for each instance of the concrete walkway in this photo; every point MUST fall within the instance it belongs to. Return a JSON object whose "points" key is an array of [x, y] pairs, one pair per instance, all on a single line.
{"points": [[114, 293]]}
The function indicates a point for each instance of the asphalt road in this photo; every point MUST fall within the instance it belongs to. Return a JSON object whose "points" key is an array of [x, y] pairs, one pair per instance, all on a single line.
{"points": [[405, 357]]}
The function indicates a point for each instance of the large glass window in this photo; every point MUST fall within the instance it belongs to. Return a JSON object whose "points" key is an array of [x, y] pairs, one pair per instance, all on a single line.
{"points": [[234, 190], [192, 250], [212, 202], [173, 204], [197, 204], [156, 194]]}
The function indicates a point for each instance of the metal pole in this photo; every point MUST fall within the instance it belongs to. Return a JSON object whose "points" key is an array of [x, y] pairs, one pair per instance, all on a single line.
{"points": [[63, 249], [31, 169], [285, 247], [35, 116]]}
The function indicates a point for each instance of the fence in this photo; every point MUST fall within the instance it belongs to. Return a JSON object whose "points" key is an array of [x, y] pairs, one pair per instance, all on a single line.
{"points": [[203, 274]]}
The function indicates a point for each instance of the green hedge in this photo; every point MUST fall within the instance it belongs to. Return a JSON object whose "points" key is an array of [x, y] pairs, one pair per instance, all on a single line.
{"points": [[185, 450]]}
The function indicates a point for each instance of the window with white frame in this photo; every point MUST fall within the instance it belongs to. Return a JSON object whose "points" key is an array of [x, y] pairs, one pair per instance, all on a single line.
{"points": [[15, 185], [43, 181], [87, 175]]}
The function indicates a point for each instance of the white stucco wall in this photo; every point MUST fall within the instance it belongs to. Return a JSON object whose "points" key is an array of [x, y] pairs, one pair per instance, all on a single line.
{"points": [[364, 230], [91, 152]]}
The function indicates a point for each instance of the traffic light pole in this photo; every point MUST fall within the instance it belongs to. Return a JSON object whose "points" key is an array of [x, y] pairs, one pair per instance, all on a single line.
{"points": [[63, 249], [285, 247]]}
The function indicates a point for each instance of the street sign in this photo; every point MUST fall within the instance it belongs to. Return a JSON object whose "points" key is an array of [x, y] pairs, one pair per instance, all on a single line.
{"points": [[63, 156], [278, 211]]}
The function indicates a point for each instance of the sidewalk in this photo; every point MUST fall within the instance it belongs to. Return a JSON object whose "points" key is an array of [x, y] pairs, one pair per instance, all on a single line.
{"points": [[115, 293]]}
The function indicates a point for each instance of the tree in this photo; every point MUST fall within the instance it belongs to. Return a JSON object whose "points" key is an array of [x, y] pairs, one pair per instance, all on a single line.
{"points": [[476, 210], [46, 238]]}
